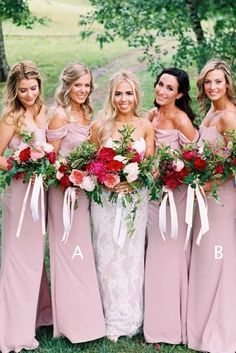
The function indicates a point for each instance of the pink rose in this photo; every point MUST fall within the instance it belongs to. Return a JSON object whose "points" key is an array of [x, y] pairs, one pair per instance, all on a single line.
{"points": [[111, 180], [88, 184], [76, 177], [35, 155], [188, 155]]}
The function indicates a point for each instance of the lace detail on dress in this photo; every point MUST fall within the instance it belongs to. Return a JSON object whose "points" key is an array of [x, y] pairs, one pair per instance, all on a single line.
{"points": [[120, 269]]}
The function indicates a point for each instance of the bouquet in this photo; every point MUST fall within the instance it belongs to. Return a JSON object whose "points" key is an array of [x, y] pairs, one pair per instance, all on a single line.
{"points": [[170, 172], [35, 164]]}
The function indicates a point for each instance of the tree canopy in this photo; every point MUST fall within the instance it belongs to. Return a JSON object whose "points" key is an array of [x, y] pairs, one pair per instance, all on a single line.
{"points": [[182, 31]]}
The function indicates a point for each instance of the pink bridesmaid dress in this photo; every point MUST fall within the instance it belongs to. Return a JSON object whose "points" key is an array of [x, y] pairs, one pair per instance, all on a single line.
{"points": [[167, 264], [77, 308], [211, 321], [24, 295]]}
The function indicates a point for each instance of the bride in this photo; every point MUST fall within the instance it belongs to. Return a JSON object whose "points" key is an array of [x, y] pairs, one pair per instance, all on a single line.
{"points": [[121, 268]]}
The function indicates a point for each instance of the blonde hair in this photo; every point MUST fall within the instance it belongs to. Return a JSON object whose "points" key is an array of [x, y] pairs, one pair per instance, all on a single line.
{"points": [[12, 107], [215, 64], [109, 113], [70, 74]]}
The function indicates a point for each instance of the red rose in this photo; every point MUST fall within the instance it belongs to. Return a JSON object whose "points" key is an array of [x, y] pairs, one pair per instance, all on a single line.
{"points": [[135, 156], [182, 174], [25, 155], [188, 155], [234, 162], [106, 154], [65, 181], [200, 164], [171, 182], [63, 168], [52, 156], [219, 169], [115, 166]]}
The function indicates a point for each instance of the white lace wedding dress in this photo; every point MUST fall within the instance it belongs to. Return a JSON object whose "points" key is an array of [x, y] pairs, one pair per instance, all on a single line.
{"points": [[120, 268]]}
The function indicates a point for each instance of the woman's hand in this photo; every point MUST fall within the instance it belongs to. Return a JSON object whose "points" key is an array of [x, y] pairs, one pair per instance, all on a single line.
{"points": [[123, 186]]}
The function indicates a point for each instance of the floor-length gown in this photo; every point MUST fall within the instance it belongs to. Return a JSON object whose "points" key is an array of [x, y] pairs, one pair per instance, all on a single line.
{"points": [[24, 296], [211, 318], [77, 308], [120, 268], [167, 264]]}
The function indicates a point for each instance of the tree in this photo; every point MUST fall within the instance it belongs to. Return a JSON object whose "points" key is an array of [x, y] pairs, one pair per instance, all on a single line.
{"points": [[188, 30], [18, 12]]}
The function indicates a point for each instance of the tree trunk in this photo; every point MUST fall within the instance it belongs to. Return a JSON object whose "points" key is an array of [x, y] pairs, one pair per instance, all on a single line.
{"points": [[4, 67], [197, 27]]}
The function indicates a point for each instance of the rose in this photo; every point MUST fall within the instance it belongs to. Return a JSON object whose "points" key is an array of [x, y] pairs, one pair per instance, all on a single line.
{"points": [[234, 162], [178, 165], [135, 156], [188, 155], [115, 166], [219, 169], [47, 147], [106, 154], [36, 154], [24, 155], [132, 171], [76, 177], [171, 182], [63, 168], [199, 163], [59, 175], [52, 157], [182, 174], [65, 181], [120, 159], [88, 184], [111, 180], [139, 146]]}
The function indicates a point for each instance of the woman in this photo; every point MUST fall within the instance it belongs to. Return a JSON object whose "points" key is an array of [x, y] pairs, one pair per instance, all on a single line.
{"points": [[77, 309], [166, 273], [212, 286], [121, 269], [21, 306]]}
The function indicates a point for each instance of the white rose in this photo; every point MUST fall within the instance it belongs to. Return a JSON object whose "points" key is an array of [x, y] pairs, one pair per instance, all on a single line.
{"points": [[139, 145], [47, 147], [120, 159], [178, 165], [87, 184], [132, 171]]}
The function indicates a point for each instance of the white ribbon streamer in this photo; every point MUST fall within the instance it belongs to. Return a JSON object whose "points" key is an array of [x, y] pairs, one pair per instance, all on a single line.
{"points": [[120, 227], [23, 210], [202, 205], [37, 189], [173, 215], [68, 211]]}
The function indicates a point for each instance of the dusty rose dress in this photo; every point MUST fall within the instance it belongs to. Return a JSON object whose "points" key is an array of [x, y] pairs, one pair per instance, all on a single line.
{"points": [[77, 309], [211, 320], [167, 263], [24, 297]]}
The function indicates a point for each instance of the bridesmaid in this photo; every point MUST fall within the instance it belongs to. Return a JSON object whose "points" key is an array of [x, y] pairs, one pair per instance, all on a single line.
{"points": [[77, 309], [121, 268], [24, 302], [212, 285], [166, 271]]}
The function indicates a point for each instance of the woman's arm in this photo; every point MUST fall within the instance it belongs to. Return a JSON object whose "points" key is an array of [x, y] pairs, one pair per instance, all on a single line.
{"points": [[149, 138], [186, 127], [7, 131], [94, 138]]}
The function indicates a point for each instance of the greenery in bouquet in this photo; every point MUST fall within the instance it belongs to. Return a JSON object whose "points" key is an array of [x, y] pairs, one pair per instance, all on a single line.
{"points": [[170, 170], [230, 140], [205, 163], [29, 160]]}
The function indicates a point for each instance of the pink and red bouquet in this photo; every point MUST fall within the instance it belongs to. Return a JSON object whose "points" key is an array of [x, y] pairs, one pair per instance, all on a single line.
{"points": [[30, 159], [206, 163], [170, 170]]}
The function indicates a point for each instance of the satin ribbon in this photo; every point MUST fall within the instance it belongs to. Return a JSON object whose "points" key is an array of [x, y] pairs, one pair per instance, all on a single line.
{"points": [[37, 190], [173, 215], [202, 205], [68, 211], [120, 227]]}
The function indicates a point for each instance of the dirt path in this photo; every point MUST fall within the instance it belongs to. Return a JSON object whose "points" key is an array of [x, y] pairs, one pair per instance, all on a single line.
{"points": [[128, 61]]}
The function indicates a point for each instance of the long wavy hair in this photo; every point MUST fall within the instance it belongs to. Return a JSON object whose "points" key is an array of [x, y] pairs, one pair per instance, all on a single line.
{"points": [[13, 110], [215, 64], [70, 74], [183, 103], [109, 112]]}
